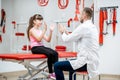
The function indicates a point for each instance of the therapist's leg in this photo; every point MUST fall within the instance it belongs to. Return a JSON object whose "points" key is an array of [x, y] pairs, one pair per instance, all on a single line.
{"points": [[70, 75], [83, 68], [61, 66]]}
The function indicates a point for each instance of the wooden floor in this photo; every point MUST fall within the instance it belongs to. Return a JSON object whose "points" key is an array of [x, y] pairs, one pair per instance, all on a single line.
{"points": [[15, 75]]}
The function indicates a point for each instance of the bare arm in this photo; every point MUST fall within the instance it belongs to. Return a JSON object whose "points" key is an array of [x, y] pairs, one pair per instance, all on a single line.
{"points": [[62, 29], [39, 37], [68, 37], [48, 38]]}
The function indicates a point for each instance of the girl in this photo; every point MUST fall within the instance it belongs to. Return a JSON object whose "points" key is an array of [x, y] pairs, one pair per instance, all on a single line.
{"points": [[36, 36]]}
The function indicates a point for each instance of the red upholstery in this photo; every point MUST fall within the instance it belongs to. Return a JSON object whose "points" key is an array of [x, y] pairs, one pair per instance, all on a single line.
{"points": [[19, 34], [22, 56], [25, 47], [60, 48], [67, 54], [83, 72], [19, 56]]}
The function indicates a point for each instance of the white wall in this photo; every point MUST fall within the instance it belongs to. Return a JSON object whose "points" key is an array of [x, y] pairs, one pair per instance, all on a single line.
{"points": [[5, 45], [7, 5], [0, 8], [109, 52], [23, 10]]}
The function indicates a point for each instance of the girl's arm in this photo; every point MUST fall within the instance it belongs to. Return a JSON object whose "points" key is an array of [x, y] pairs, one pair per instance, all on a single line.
{"points": [[48, 38], [39, 37], [62, 29]]}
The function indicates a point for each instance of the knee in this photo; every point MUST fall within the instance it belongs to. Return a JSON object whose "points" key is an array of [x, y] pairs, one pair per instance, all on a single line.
{"points": [[56, 53], [56, 65], [49, 56]]}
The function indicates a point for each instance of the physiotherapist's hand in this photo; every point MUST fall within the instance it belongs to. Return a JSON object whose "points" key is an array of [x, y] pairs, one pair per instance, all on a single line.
{"points": [[61, 28]]}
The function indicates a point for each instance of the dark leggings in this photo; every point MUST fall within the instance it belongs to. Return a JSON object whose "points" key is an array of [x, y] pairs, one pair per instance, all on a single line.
{"points": [[50, 53]]}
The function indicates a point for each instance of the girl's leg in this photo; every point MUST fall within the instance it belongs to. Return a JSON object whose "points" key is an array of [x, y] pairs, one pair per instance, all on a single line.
{"points": [[43, 50], [61, 66], [54, 54]]}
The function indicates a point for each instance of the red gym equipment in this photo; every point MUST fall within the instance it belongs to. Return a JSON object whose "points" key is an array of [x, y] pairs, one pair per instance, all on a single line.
{"points": [[42, 2], [62, 4]]}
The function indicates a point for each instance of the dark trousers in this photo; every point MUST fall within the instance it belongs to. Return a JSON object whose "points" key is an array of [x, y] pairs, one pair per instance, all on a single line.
{"points": [[61, 66], [50, 53]]}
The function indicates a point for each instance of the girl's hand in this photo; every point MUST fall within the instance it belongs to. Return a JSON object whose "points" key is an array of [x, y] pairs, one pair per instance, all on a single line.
{"points": [[61, 28], [52, 27]]}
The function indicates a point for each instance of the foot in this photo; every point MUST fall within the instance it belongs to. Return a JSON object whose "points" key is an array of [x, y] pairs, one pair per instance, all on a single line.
{"points": [[52, 76], [61, 28]]}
